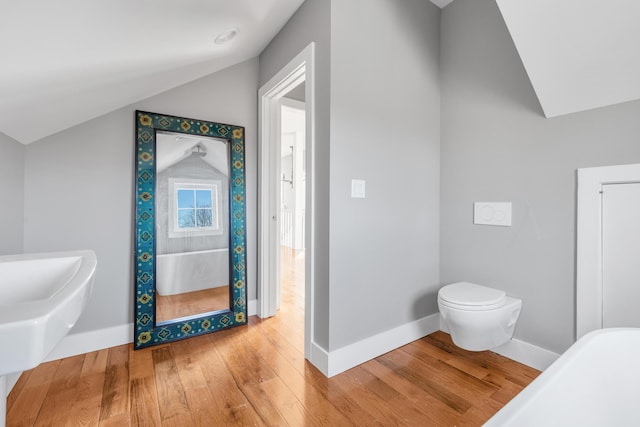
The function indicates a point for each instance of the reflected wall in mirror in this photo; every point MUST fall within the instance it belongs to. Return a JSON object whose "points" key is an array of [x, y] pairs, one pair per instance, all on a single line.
{"points": [[190, 228]]}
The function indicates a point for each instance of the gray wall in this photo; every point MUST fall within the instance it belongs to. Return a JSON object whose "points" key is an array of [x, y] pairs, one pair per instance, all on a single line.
{"points": [[497, 146], [385, 129], [79, 185], [377, 93], [311, 23], [11, 195]]}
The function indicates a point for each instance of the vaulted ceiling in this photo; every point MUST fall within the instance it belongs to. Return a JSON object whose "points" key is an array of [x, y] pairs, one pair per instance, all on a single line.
{"points": [[579, 54], [68, 61]]}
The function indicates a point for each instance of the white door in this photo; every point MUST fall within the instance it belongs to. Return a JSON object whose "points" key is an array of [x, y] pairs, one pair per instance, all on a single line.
{"points": [[621, 255]]}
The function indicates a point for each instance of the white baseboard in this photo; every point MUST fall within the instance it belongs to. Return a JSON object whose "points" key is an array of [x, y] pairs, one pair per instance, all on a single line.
{"points": [[347, 357], [252, 307], [527, 354], [522, 352], [86, 342], [319, 358]]}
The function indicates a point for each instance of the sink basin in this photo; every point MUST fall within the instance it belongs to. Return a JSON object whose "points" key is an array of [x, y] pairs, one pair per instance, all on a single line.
{"points": [[41, 298]]}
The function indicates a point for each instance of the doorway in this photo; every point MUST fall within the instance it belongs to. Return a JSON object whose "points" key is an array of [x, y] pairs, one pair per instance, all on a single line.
{"points": [[292, 204], [298, 73]]}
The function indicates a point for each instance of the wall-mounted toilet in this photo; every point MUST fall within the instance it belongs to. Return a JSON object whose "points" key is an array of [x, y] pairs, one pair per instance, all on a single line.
{"points": [[477, 317]]}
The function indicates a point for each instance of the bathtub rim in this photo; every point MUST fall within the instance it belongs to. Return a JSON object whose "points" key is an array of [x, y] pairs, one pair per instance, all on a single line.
{"points": [[519, 403], [192, 252]]}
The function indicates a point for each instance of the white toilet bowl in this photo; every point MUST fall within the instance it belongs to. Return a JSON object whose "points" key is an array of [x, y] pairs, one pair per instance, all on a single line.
{"points": [[477, 317]]}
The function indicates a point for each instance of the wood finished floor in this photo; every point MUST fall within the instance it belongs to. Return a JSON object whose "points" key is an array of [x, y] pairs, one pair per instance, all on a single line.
{"points": [[257, 375]]}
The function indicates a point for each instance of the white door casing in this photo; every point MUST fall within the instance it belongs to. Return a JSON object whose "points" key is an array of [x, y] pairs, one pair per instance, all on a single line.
{"points": [[298, 70]]}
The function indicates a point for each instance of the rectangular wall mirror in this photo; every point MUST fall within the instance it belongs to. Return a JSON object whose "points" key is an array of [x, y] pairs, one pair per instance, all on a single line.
{"points": [[190, 228]]}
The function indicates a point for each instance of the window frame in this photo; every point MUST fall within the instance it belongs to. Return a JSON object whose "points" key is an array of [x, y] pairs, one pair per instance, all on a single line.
{"points": [[215, 185]]}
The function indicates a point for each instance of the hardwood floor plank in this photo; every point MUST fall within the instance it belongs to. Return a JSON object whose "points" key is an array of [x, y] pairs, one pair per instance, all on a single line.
{"points": [[115, 393], [179, 420], [141, 363], [412, 370], [268, 333], [18, 387], [516, 372], [231, 404], [24, 402], [466, 386], [203, 409], [289, 329], [463, 364], [44, 373], [469, 386], [61, 394], [95, 362], [245, 366], [145, 410], [24, 409], [121, 420], [374, 394], [259, 398], [507, 389], [435, 411], [171, 396], [188, 366], [294, 412], [318, 409], [85, 410]]}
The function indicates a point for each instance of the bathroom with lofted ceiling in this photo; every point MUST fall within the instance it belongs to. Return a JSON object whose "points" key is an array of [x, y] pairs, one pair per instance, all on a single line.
{"points": [[468, 174]]}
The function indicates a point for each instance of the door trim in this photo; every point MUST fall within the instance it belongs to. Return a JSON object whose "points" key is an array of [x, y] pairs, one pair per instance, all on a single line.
{"points": [[299, 69], [589, 240]]}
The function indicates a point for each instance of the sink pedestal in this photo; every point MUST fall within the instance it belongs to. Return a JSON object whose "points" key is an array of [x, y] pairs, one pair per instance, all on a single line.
{"points": [[3, 401]]}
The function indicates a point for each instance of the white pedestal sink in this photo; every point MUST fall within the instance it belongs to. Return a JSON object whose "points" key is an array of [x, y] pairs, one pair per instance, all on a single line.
{"points": [[41, 298]]}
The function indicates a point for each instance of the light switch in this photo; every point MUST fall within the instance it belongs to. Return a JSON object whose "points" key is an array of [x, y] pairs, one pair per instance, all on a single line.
{"points": [[357, 188], [492, 213]]}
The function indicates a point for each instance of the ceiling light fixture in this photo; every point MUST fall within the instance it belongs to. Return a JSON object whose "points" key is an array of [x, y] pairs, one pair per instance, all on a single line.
{"points": [[227, 36]]}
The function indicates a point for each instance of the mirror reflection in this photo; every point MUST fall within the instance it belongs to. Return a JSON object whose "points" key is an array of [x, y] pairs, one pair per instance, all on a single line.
{"points": [[192, 225]]}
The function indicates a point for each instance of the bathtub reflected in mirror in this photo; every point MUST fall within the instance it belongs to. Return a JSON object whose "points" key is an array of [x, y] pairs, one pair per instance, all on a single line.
{"points": [[192, 225], [190, 238], [185, 286]]}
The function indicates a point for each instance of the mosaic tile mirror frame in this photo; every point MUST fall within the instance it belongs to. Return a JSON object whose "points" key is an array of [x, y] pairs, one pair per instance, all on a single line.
{"points": [[217, 209]]}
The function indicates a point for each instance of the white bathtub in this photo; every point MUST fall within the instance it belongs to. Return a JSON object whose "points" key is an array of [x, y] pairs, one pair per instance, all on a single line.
{"points": [[595, 383], [192, 271]]}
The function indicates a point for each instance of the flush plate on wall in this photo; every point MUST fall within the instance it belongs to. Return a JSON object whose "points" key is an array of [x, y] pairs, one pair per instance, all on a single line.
{"points": [[492, 213]]}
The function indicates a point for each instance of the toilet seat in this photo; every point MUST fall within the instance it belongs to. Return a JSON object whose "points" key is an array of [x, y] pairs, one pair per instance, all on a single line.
{"points": [[472, 297]]}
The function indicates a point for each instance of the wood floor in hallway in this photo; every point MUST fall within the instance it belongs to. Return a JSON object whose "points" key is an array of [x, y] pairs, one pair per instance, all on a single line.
{"points": [[257, 375]]}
